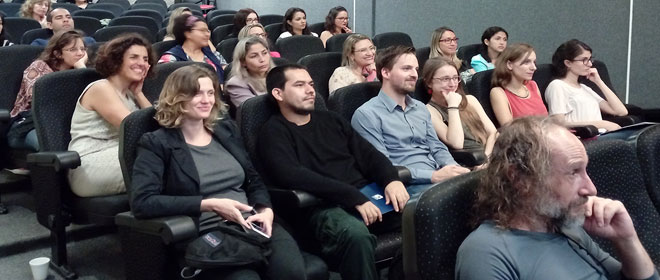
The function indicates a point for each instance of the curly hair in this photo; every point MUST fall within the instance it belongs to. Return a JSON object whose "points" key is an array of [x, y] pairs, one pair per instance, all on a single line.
{"points": [[53, 51], [517, 173], [110, 56], [329, 23], [179, 88], [28, 6], [502, 75]]}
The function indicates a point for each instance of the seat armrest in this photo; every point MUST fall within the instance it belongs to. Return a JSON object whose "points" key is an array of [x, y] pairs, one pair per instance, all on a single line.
{"points": [[404, 174], [4, 116], [171, 229], [584, 131], [622, 120], [57, 160], [293, 198], [469, 157]]}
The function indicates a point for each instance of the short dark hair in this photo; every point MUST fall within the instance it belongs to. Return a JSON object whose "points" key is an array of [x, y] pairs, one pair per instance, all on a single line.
{"points": [[489, 33], [240, 17], [567, 51], [329, 24], [49, 15], [276, 77], [289, 16], [388, 57], [183, 24], [110, 56]]}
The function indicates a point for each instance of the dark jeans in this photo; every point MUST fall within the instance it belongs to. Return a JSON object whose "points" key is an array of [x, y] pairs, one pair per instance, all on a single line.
{"points": [[285, 262], [345, 242]]}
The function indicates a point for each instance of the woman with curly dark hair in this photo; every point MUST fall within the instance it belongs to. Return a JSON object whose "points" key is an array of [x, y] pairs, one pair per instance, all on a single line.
{"points": [[336, 22], [124, 62], [64, 51]]}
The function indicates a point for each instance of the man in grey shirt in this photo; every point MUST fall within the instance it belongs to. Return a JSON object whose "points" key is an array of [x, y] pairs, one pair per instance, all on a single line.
{"points": [[538, 207], [399, 126]]}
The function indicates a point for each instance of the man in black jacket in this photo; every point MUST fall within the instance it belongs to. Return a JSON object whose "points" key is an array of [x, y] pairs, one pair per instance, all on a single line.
{"points": [[320, 153]]}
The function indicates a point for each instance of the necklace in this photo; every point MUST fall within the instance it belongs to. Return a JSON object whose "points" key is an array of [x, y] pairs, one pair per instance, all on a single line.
{"points": [[520, 96]]}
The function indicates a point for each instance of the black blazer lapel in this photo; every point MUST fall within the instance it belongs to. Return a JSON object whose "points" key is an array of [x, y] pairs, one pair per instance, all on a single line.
{"points": [[181, 154]]}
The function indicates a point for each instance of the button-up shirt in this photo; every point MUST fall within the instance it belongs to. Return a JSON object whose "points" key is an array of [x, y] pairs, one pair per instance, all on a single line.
{"points": [[406, 137]]}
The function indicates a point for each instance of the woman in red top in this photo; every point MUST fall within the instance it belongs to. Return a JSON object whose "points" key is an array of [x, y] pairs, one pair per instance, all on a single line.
{"points": [[514, 94]]}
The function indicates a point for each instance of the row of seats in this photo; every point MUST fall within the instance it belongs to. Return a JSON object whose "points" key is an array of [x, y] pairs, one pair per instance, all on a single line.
{"points": [[436, 224]]}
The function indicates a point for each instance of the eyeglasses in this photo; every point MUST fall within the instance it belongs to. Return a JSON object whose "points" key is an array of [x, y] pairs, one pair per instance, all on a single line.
{"points": [[585, 60], [252, 20], [455, 79], [262, 35], [202, 30], [449, 40], [342, 18], [82, 49], [365, 50]]}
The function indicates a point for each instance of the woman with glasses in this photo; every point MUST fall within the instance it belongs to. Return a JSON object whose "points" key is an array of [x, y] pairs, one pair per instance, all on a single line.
{"points": [[458, 119], [574, 102], [336, 22], [249, 69], [514, 93], [192, 37], [124, 63], [256, 29], [493, 43], [295, 23], [244, 17], [357, 63], [64, 51]]}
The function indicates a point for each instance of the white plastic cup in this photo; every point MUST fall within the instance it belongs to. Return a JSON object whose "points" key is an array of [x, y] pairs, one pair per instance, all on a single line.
{"points": [[39, 267]]}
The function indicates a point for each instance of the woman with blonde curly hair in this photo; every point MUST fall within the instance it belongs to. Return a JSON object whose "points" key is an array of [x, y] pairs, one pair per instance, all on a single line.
{"points": [[196, 165], [37, 10]]}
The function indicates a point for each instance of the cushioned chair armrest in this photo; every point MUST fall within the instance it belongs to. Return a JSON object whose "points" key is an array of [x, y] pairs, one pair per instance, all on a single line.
{"points": [[171, 229], [57, 160], [293, 198], [634, 110], [4, 116], [584, 132], [650, 115], [404, 174], [469, 157], [622, 120]]}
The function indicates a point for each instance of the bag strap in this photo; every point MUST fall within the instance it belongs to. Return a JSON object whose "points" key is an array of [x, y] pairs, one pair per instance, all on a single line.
{"points": [[187, 270]]}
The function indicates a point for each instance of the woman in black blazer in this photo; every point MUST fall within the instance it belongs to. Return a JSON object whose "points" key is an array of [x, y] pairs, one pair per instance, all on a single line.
{"points": [[196, 165]]}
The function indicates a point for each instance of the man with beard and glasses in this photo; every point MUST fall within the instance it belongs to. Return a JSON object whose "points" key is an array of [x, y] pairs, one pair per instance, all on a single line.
{"points": [[400, 127], [538, 207], [318, 152]]}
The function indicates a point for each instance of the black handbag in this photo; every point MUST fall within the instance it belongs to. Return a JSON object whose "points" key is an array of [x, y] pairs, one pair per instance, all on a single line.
{"points": [[226, 245], [24, 124]]}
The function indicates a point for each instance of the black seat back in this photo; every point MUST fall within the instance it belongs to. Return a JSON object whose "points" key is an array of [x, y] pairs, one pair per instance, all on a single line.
{"points": [[15, 27], [114, 8], [68, 6], [226, 48], [435, 225], [422, 55], [215, 13], [220, 20], [131, 130], [159, 2], [88, 25], [191, 6], [648, 152], [274, 30], [14, 61], [97, 14], [159, 8], [111, 32], [139, 21], [123, 3], [155, 15], [317, 28], [161, 47], [154, 85], [336, 42], [271, 19], [11, 9], [295, 47], [480, 87], [321, 66], [31, 35], [221, 32], [388, 39], [347, 99], [466, 52]]}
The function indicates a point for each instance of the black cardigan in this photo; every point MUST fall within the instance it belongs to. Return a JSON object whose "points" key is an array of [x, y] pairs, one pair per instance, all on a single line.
{"points": [[165, 179]]}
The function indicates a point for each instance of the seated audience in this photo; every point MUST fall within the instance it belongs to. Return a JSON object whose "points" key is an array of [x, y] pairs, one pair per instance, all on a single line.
{"points": [[192, 37], [574, 102], [399, 126], [37, 10], [250, 66], [256, 29], [493, 43], [59, 20], [514, 93], [5, 40], [357, 63], [295, 23], [65, 51], [444, 43], [196, 165], [336, 22], [124, 62], [242, 18], [538, 211], [459, 120], [169, 29], [319, 152], [82, 4]]}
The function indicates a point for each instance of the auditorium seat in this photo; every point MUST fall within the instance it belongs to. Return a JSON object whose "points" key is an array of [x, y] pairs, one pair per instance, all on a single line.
{"points": [[15, 27], [221, 32], [191, 6], [159, 8], [137, 21], [336, 42], [155, 15], [68, 6], [214, 13], [388, 39], [159, 2], [422, 55], [114, 8], [125, 4], [161, 47], [648, 152], [153, 85], [321, 66], [295, 47], [88, 25], [435, 225], [274, 31], [466, 52], [219, 20], [31, 35], [316, 27], [271, 19], [54, 99], [226, 48], [97, 14], [111, 32]]}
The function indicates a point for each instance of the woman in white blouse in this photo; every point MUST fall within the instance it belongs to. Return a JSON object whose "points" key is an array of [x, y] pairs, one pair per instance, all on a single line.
{"points": [[357, 62]]}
